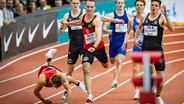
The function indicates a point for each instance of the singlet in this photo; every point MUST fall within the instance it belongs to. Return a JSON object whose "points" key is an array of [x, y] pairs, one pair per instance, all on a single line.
{"points": [[75, 32], [153, 34], [48, 71], [118, 29], [135, 25], [89, 36]]}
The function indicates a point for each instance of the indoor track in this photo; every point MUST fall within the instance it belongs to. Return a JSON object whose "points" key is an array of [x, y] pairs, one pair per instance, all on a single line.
{"points": [[18, 75]]}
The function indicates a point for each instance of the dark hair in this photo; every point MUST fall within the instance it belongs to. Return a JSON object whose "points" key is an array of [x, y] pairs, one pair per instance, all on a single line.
{"points": [[56, 80], [159, 1], [90, 0], [140, 1], [116, 1]]}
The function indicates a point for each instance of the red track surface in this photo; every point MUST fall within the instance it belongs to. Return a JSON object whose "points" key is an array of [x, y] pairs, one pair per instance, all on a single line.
{"points": [[18, 76]]}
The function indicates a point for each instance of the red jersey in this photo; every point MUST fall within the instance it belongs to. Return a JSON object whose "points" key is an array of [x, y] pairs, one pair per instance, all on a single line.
{"points": [[48, 71], [88, 30]]}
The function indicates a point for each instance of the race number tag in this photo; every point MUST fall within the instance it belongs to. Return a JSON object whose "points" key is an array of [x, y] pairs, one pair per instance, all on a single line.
{"points": [[76, 27], [121, 27], [150, 30], [90, 38]]}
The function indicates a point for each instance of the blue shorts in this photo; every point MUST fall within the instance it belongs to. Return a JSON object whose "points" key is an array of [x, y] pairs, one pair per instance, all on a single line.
{"points": [[115, 48], [136, 49]]}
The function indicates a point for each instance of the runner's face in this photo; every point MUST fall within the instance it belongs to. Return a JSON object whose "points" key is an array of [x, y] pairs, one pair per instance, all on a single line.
{"points": [[154, 7], [75, 4], [139, 7], [120, 4], [90, 7]]}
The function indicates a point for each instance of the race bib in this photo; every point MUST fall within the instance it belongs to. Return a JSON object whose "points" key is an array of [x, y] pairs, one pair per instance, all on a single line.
{"points": [[150, 30], [121, 27], [75, 27], [90, 38]]}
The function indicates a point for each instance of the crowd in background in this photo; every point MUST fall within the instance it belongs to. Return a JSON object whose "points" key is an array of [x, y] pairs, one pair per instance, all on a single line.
{"points": [[9, 9]]}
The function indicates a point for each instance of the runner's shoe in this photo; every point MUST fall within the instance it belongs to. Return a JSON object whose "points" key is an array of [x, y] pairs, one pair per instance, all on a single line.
{"points": [[160, 100], [89, 100], [50, 53], [64, 95], [114, 85], [137, 95], [82, 86]]}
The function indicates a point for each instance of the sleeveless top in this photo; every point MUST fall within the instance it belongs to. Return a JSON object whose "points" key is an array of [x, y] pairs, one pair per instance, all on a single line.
{"points": [[153, 34], [48, 71], [135, 25], [89, 36], [75, 32], [118, 29]]}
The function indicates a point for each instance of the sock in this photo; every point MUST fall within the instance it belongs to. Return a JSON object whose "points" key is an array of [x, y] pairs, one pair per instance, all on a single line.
{"points": [[157, 95], [78, 83]]}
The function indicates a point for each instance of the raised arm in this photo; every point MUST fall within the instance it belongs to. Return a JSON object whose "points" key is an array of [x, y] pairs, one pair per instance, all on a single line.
{"points": [[130, 24], [106, 24], [109, 19], [167, 22], [62, 26], [98, 30]]}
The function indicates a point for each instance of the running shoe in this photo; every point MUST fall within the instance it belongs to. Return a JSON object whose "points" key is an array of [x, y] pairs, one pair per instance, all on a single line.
{"points": [[137, 95], [64, 95], [82, 86], [50, 53], [114, 85], [89, 100], [160, 100]]}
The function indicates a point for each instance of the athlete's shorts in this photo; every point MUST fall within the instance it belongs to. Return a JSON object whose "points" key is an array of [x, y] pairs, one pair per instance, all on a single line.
{"points": [[100, 54], [115, 48], [160, 66], [74, 52], [136, 49]]}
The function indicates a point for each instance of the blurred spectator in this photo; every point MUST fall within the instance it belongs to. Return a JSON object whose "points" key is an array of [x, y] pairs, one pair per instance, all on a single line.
{"points": [[15, 3], [8, 13], [43, 5], [1, 14], [19, 10], [31, 7], [58, 3], [66, 2]]}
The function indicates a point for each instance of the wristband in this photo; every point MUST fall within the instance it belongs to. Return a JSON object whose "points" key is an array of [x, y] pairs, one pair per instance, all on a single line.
{"points": [[94, 47]]}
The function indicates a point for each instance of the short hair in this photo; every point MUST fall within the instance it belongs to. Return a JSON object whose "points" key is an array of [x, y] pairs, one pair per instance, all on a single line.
{"points": [[90, 0], [140, 1], [57, 80], [116, 1], [159, 1]]}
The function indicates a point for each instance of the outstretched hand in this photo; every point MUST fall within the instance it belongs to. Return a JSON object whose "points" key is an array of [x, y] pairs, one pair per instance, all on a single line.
{"points": [[163, 10], [63, 23]]}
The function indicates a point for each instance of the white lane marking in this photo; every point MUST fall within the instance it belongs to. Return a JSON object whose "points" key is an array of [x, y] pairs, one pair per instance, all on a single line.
{"points": [[166, 35]]}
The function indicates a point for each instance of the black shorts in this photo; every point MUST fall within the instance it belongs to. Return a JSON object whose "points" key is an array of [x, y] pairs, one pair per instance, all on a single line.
{"points": [[160, 66], [100, 54], [74, 52]]}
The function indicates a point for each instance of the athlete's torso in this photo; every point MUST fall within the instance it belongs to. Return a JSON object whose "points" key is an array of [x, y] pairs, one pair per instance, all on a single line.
{"points": [[75, 32], [153, 34], [118, 29], [89, 35]]}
